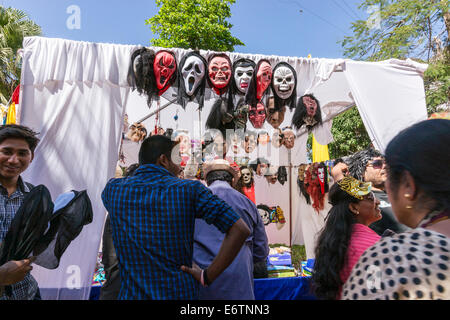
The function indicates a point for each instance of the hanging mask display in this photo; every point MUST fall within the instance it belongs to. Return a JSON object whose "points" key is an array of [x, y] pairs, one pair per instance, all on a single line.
{"points": [[247, 176], [263, 79], [191, 79], [140, 73], [164, 67], [282, 175], [219, 72], [257, 115], [221, 116], [265, 213], [301, 182], [260, 82], [284, 85], [288, 138], [271, 174], [242, 73], [314, 187], [275, 116], [240, 115], [307, 112]]}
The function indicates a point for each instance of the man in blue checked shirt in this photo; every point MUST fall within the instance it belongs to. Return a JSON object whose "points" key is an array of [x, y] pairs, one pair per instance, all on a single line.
{"points": [[152, 217], [17, 145]]}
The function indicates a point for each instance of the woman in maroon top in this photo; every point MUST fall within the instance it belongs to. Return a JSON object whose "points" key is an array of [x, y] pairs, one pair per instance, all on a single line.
{"points": [[345, 237]]}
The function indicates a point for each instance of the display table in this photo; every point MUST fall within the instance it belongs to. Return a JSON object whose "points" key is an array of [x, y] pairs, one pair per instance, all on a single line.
{"points": [[293, 288]]}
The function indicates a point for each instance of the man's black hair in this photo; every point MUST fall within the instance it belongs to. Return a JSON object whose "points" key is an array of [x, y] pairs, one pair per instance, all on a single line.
{"points": [[153, 147], [15, 131]]}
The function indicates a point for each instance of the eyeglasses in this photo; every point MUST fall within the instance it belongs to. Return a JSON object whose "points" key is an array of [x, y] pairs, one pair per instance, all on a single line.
{"points": [[377, 164]]}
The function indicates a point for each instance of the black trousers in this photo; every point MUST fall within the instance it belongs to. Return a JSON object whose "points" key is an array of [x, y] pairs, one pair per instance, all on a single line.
{"points": [[111, 287]]}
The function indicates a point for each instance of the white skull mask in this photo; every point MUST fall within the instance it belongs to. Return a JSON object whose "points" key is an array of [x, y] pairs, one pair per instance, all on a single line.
{"points": [[193, 72], [246, 176], [242, 76], [265, 216], [284, 82]]}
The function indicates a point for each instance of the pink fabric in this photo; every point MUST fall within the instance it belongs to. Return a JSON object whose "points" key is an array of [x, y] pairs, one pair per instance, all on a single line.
{"points": [[362, 238]]}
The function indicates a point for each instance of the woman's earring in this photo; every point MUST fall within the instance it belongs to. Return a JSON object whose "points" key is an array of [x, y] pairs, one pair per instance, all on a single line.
{"points": [[408, 207], [407, 195]]}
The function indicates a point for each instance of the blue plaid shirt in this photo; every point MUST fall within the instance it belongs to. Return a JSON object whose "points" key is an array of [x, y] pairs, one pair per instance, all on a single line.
{"points": [[27, 288], [153, 217]]}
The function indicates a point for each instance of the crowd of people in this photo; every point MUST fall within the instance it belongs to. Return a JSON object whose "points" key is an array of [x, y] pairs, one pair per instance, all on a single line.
{"points": [[166, 237]]}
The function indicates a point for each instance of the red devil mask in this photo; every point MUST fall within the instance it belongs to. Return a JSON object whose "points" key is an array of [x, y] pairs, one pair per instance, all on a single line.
{"points": [[164, 68], [257, 115], [263, 79], [219, 71]]}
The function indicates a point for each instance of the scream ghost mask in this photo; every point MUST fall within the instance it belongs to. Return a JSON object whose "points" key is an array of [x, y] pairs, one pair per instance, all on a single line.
{"points": [[257, 115], [219, 72], [191, 79], [164, 67], [284, 85]]}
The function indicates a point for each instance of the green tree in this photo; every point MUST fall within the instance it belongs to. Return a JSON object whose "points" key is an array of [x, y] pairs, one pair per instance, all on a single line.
{"points": [[416, 29], [14, 26], [194, 24]]}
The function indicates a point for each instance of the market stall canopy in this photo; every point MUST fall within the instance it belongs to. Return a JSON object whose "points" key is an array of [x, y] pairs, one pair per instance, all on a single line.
{"points": [[76, 95]]}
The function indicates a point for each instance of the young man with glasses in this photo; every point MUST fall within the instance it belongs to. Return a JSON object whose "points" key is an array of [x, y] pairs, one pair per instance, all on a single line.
{"points": [[369, 166]]}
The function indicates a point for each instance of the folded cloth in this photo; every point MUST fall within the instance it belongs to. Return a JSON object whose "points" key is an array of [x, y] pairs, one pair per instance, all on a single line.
{"points": [[283, 259]]}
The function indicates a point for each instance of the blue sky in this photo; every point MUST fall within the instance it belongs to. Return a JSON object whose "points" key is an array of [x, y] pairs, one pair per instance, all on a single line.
{"points": [[270, 27]]}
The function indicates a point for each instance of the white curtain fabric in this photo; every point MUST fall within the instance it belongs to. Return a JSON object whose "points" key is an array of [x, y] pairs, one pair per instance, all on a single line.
{"points": [[73, 94], [390, 96], [76, 94]]}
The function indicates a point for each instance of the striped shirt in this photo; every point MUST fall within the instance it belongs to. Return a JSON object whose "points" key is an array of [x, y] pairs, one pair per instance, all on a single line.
{"points": [[27, 288], [152, 217]]}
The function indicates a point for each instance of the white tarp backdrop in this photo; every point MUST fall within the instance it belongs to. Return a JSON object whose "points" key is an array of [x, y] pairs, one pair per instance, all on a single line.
{"points": [[76, 94]]}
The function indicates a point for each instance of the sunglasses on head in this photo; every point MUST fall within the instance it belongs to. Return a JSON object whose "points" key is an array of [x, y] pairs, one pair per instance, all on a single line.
{"points": [[370, 196], [377, 164]]}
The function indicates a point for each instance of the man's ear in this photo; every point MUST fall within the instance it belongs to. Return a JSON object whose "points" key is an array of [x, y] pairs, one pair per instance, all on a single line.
{"points": [[162, 161]]}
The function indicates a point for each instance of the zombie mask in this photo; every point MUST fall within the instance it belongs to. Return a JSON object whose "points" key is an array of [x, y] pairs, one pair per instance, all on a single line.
{"points": [[257, 115], [164, 68], [307, 112], [136, 132], [288, 138], [193, 72], [275, 117], [263, 78], [240, 116], [219, 72], [283, 80], [243, 72], [301, 172], [246, 175], [311, 106], [249, 143]]}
